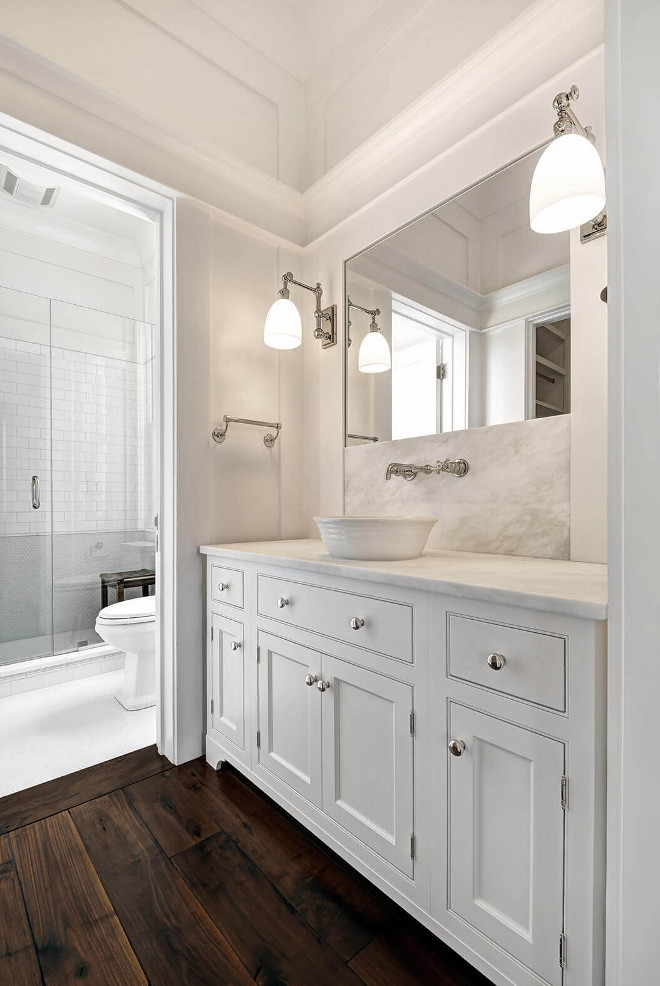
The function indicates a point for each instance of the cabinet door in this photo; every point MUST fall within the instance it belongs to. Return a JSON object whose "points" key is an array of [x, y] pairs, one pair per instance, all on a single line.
{"points": [[368, 759], [506, 837], [290, 714], [228, 680]]}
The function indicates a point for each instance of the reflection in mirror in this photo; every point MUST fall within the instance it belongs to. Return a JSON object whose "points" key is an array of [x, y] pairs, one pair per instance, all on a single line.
{"points": [[474, 307]]}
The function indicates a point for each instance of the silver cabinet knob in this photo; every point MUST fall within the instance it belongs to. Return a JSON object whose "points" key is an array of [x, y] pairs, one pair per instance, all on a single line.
{"points": [[496, 662], [282, 602], [357, 623], [235, 645], [456, 748], [310, 679], [222, 586], [323, 685]]}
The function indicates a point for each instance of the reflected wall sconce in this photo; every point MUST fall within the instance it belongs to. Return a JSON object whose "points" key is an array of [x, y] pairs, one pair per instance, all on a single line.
{"points": [[568, 187], [374, 355], [283, 328]]}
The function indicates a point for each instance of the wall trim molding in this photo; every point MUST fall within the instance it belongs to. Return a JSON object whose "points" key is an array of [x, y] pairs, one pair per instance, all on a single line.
{"points": [[556, 280], [247, 191], [553, 34]]}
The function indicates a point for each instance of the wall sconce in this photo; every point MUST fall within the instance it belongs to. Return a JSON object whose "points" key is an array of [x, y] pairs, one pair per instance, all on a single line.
{"points": [[568, 187], [374, 355], [283, 328]]}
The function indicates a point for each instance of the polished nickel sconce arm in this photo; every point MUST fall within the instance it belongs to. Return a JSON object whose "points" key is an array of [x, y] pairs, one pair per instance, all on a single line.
{"points": [[368, 311], [327, 333], [219, 434], [408, 471], [567, 121]]}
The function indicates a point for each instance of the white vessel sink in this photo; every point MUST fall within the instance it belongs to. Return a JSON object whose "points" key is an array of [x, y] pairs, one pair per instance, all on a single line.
{"points": [[375, 538]]}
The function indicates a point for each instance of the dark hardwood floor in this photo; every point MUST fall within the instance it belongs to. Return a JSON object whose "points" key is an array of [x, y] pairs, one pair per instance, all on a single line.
{"points": [[136, 872]]}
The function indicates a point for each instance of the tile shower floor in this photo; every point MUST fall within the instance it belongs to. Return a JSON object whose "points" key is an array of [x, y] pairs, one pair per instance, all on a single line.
{"points": [[56, 730]]}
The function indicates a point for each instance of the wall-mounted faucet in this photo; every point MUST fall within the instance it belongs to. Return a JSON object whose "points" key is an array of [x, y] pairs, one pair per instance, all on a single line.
{"points": [[407, 471]]}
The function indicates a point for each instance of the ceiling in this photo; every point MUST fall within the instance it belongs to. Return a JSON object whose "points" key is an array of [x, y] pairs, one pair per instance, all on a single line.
{"points": [[297, 35]]}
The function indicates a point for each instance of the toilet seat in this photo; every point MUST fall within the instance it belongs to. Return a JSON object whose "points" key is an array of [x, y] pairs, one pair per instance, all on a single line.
{"points": [[129, 612]]}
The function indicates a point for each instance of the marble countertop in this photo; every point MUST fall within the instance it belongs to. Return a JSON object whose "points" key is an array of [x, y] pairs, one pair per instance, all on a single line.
{"points": [[568, 587]]}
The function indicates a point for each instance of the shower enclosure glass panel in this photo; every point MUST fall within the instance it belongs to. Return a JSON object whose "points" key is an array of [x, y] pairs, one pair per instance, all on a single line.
{"points": [[26, 570], [91, 440]]}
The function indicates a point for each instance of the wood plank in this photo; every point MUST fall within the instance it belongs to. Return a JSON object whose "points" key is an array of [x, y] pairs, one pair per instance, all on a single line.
{"points": [[172, 814], [273, 941], [174, 939], [18, 959], [35, 803], [412, 956], [336, 903], [76, 931]]}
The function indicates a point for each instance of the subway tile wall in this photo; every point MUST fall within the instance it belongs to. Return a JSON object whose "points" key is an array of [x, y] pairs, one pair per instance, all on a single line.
{"points": [[102, 447]]}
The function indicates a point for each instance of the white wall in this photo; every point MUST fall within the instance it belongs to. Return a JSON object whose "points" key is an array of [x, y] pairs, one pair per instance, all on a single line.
{"points": [[227, 276], [633, 104], [589, 411]]}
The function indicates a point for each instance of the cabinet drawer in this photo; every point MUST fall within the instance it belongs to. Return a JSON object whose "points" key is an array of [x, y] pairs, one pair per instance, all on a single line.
{"points": [[381, 625], [525, 664], [227, 585]]}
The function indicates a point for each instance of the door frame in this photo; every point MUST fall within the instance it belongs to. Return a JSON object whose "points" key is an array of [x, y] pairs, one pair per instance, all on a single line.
{"points": [[73, 164]]}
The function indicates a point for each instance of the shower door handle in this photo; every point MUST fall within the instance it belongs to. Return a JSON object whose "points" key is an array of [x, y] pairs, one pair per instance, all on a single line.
{"points": [[36, 492]]}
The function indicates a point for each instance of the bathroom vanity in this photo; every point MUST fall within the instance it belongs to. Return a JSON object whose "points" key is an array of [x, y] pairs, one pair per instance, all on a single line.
{"points": [[439, 723]]}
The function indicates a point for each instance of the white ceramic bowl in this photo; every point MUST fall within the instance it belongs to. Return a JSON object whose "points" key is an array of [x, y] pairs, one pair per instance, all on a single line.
{"points": [[375, 538]]}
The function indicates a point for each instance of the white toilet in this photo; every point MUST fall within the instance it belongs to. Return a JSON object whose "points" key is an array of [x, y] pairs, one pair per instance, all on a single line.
{"points": [[131, 626]]}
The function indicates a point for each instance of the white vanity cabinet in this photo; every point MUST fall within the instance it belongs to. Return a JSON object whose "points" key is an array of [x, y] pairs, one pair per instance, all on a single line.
{"points": [[450, 747], [227, 679], [289, 715], [506, 836]]}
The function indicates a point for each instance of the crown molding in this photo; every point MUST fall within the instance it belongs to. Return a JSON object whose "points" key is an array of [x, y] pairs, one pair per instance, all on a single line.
{"points": [[238, 188], [550, 36], [542, 42], [489, 310]]}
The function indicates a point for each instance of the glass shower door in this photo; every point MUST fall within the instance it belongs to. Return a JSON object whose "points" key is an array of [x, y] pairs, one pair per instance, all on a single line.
{"points": [[26, 580]]}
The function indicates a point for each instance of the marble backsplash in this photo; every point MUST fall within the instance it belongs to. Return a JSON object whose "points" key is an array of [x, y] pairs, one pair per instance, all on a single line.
{"points": [[513, 501]]}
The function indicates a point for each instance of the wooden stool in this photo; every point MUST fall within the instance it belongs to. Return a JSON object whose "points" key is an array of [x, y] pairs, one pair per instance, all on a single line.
{"points": [[119, 581]]}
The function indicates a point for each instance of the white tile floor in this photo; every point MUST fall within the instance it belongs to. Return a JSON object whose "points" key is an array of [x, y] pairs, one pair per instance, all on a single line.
{"points": [[54, 731]]}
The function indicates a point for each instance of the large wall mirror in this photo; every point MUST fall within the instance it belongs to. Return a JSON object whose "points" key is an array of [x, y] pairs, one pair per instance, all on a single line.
{"points": [[466, 317]]}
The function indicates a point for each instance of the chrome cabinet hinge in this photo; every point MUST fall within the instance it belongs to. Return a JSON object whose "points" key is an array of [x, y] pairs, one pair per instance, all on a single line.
{"points": [[412, 722], [564, 791], [562, 950], [212, 633], [441, 371], [258, 737], [258, 654], [412, 846], [212, 706]]}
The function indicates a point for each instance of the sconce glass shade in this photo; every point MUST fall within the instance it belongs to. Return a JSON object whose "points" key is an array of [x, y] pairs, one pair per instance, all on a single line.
{"points": [[283, 328], [568, 187], [374, 355]]}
